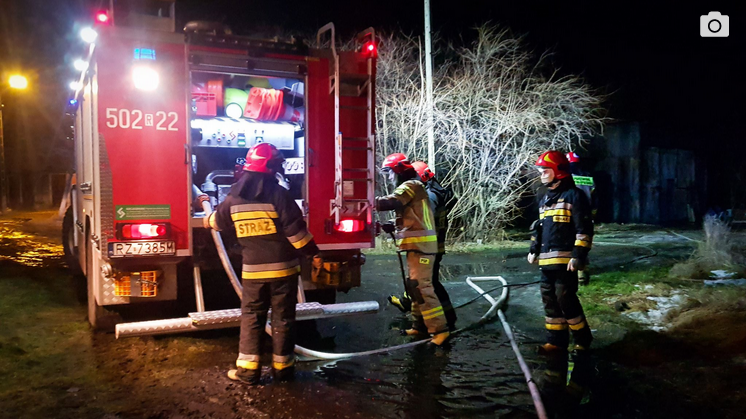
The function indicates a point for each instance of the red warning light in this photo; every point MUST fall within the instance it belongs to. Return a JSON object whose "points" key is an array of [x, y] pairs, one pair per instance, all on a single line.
{"points": [[102, 17], [370, 48]]}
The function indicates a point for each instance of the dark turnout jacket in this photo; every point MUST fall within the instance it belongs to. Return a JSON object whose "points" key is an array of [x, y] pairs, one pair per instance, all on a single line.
{"points": [[443, 201], [269, 226], [564, 229]]}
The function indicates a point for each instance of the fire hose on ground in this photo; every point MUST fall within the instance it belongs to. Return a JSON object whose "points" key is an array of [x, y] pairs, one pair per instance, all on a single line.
{"points": [[496, 306]]}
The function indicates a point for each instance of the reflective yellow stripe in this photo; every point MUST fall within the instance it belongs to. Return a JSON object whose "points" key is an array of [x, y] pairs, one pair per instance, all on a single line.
{"points": [[578, 326], [550, 326], [302, 242], [583, 243], [248, 365], [270, 274], [553, 261], [282, 365], [553, 212], [426, 215], [253, 215], [421, 239], [402, 189], [434, 315], [432, 310]]}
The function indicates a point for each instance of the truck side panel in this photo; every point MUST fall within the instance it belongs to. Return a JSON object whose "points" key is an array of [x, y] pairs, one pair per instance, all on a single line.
{"points": [[143, 136]]}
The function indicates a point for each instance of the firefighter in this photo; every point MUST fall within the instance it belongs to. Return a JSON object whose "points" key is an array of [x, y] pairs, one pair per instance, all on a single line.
{"points": [[560, 242], [270, 228], [443, 201], [583, 181], [415, 234]]}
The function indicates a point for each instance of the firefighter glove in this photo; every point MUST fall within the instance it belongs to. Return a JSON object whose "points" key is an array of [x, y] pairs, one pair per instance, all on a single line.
{"points": [[574, 265], [531, 258], [388, 227], [317, 262]]}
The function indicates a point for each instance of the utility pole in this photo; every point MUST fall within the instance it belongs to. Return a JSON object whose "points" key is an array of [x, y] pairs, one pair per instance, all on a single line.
{"points": [[17, 82], [429, 90]]}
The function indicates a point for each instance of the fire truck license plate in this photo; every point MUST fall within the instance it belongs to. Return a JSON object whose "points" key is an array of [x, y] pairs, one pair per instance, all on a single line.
{"points": [[141, 248]]}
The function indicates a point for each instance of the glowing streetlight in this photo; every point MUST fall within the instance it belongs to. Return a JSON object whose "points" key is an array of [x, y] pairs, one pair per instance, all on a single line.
{"points": [[80, 65], [17, 81], [88, 35]]}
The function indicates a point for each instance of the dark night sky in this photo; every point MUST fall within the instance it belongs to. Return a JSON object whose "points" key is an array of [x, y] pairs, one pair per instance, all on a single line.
{"points": [[686, 90]]}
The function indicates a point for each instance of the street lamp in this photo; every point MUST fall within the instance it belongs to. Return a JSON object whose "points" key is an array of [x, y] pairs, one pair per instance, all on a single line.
{"points": [[19, 82], [16, 81]]}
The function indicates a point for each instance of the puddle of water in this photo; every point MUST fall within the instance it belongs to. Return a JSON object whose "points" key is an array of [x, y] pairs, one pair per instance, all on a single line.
{"points": [[26, 249], [477, 376]]}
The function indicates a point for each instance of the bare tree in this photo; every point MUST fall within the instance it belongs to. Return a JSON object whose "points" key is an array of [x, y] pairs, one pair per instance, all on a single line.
{"points": [[497, 107]]}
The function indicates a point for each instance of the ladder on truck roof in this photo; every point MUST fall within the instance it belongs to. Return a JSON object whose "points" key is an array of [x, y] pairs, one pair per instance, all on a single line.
{"points": [[346, 83]]}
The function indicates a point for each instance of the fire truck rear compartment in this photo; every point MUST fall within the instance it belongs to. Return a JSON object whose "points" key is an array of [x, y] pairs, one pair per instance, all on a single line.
{"points": [[230, 113]]}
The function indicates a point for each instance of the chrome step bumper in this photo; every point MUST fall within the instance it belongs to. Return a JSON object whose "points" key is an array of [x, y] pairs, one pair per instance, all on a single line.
{"points": [[220, 319]]}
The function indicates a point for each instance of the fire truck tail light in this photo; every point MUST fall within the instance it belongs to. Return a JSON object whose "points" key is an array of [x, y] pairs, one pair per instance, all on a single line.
{"points": [[102, 17], [143, 231], [145, 78], [350, 226]]}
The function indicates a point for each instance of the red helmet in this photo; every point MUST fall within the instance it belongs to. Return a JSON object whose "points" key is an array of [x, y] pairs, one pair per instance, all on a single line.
{"points": [[264, 158], [397, 162], [556, 161], [425, 173], [572, 157]]}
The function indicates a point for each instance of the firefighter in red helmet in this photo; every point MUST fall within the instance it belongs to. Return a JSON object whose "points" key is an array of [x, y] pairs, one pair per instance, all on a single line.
{"points": [[560, 242], [270, 228], [443, 201], [415, 235]]}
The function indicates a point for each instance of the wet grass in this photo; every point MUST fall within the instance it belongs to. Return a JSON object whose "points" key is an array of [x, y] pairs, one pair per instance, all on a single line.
{"points": [[601, 298], [44, 344], [387, 247]]}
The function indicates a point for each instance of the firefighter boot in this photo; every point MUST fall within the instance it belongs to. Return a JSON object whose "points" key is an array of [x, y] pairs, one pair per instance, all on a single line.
{"points": [[247, 376], [549, 349], [418, 328], [283, 371], [403, 303], [440, 338]]}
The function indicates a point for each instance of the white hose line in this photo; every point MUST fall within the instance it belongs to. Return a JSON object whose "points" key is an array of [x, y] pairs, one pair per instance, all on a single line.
{"points": [[538, 404], [328, 356], [684, 237], [223, 254]]}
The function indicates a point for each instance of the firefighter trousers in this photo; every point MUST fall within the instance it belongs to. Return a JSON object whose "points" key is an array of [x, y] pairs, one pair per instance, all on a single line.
{"points": [[426, 307], [442, 294], [257, 298], [562, 308]]}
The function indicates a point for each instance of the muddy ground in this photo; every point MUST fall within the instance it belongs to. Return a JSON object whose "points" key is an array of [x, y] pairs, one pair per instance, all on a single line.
{"points": [[686, 362]]}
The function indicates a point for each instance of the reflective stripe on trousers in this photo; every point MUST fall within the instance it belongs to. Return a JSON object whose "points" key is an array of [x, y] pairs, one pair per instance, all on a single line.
{"points": [[429, 309]]}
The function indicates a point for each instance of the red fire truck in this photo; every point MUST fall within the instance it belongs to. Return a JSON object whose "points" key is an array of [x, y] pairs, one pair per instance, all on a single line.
{"points": [[162, 116]]}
